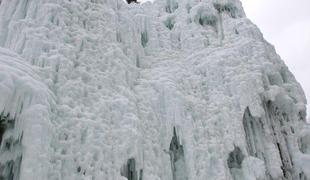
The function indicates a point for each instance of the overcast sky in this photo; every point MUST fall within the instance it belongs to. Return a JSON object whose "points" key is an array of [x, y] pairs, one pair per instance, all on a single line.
{"points": [[286, 24]]}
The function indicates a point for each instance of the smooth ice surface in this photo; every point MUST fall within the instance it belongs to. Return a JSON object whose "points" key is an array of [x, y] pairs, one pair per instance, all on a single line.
{"points": [[98, 85]]}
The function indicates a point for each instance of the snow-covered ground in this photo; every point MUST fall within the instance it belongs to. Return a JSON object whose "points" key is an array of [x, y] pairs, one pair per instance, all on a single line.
{"points": [[172, 90]]}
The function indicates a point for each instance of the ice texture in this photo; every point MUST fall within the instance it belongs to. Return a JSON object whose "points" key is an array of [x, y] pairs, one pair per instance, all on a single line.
{"points": [[25, 126], [170, 90]]}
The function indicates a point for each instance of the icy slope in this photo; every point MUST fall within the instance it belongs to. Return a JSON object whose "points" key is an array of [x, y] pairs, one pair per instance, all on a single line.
{"points": [[175, 90]]}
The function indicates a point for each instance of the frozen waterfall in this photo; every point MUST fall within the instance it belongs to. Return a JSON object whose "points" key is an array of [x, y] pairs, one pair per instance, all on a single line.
{"points": [[170, 90]]}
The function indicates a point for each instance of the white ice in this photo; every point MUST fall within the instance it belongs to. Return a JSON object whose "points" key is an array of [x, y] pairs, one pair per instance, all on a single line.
{"points": [[106, 81]]}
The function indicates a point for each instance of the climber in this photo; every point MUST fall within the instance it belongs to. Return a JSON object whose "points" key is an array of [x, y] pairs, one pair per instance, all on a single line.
{"points": [[130, 1]]}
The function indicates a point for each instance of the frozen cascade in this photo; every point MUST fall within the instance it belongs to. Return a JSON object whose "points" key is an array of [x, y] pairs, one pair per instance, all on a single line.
{"points": [[170, 90]]}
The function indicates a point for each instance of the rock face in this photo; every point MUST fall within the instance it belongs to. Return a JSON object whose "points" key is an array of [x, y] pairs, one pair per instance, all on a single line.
{"points": [[170, 90]]}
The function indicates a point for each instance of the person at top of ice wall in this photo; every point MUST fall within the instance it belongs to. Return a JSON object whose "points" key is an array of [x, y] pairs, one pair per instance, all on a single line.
{"points": [[130, 1]]}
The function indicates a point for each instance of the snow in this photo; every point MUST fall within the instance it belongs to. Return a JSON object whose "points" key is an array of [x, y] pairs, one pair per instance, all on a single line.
{"points": [[109, 82]]}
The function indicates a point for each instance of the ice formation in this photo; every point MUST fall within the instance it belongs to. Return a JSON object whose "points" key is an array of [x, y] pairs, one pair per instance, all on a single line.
{"points": [[170, 90], [25, 127]]}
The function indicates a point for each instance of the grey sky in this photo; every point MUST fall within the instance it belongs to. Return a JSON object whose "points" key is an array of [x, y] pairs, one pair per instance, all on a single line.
{"points": [[286, 25]]}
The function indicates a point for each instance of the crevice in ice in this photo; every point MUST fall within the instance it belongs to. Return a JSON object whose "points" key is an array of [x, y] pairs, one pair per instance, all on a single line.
{"points": [[235, 158], [141, 174], [10, 170], [171, 6], [210, 20], [292, 130], [169, 22], [3, 127], [144, 38], [129, 170], [302, 116], [178, 165], [10, 148], [24, 8], [234, 163], [302, 176], [206, 19], [256, 140], [6, 127], [80, 170], [277, 123], [276, 120], [253, 128], [304, 144], [286, 172], [236, 32], [229, 8]]}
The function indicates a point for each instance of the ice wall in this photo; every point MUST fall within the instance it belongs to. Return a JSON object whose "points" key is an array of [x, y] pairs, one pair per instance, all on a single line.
{"points": [[25, 124], [170, 90]]}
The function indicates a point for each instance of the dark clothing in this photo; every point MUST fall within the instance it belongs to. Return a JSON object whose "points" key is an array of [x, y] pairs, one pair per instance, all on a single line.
{"points": [[130, 1]]}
